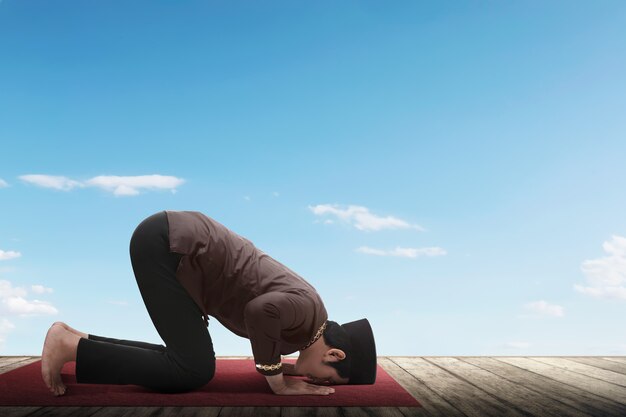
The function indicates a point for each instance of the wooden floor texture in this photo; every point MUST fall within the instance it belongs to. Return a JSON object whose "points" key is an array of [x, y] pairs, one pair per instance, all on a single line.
{"points": [[485, 386]]}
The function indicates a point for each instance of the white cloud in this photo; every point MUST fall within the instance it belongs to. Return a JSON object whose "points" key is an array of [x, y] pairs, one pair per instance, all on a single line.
{"points": [[51, 181], [118, 185], [13, 301], [40, 289], [608, 292], [361, 217], [3, 183], [542, 308], [275, 194], [5, 327], [371, 251], [246, 197], [7, 290], [606, 276], [403, 252], [6, 255], [131, 185], [25, 308]]}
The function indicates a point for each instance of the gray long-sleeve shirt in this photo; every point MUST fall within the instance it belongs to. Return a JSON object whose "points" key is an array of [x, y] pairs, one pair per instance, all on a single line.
{"points": [[249, 292]]}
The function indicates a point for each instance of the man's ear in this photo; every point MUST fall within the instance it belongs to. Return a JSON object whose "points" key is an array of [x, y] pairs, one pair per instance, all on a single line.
{"points": [[334, 355]]}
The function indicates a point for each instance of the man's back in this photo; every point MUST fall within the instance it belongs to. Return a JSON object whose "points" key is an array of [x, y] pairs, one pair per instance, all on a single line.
{"points": [[223, 272]]}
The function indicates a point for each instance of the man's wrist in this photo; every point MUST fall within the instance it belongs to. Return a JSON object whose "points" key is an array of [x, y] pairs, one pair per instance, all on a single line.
{"points": [[289, 368], [272, 369], [277, 382]]}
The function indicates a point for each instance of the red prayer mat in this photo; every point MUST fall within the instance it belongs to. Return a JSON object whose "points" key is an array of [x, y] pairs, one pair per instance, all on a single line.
{"points": [[236, 383]]}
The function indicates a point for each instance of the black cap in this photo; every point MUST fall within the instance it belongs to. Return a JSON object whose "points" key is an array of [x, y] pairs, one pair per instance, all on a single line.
{"points": [[363, 352]]}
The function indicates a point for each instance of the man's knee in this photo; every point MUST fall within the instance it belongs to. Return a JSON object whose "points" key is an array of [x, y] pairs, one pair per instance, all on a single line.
{"points": [[194, 382], [207, 370], [187, 383], [202, 372]]}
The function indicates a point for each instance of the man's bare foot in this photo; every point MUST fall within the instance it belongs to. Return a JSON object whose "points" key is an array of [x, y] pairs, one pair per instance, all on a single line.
{"points": [[71, 329], [59, 347]]}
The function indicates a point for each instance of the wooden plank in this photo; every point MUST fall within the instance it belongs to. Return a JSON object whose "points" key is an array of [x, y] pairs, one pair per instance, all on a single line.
{"points": [[600, 363], [310, 411], [555, 391], [432, 403], [119, 411], [369, 412], [65, 411], [413, 411], [464, 396], [18, 364], [17, 411], [7, 360], [188, 411], [232, 411], [595, 386], [581, 368], [615, 359], [445, 386], [516, 396]]}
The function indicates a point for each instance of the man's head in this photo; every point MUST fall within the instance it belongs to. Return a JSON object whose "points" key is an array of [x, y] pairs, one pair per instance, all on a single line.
{"points": [[346, 354], [327, 360]]}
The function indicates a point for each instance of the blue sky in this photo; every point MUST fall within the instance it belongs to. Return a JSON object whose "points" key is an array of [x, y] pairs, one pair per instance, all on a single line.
{"points": [[452, 171]]}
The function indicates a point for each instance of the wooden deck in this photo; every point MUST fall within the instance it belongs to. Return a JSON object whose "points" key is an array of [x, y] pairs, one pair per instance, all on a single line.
{"points": [[483, 386]]}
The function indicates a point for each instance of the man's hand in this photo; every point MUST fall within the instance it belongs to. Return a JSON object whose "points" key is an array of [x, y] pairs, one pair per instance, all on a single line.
{"points": [[292, 386]]}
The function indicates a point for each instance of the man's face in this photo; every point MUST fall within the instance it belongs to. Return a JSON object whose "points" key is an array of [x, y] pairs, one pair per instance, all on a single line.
{"points": [[328, 377], [320, 373]]}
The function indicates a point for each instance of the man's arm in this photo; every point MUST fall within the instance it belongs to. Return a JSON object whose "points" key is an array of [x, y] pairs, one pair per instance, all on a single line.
{"points": [[265, 316]]}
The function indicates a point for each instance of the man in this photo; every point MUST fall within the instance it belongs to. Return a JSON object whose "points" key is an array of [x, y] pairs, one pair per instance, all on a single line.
{"points": [[189, 266]]}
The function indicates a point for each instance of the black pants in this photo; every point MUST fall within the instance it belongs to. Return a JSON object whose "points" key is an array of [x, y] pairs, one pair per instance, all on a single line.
{"points": [[187, 361]]}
